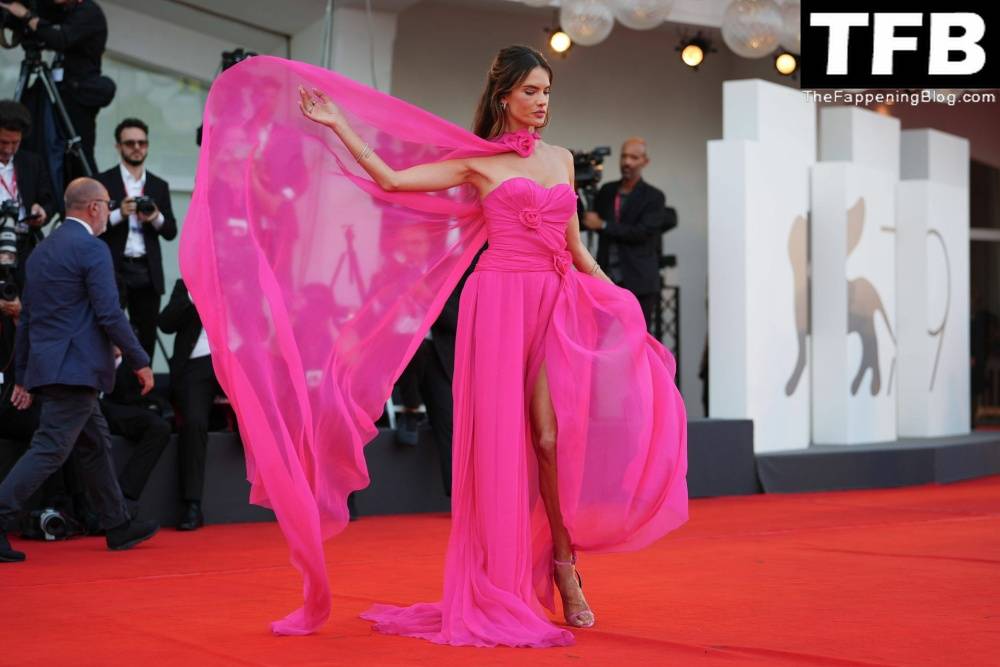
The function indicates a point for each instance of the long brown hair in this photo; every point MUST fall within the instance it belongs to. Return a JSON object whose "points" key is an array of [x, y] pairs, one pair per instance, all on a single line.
{"points": [[510, 67]]}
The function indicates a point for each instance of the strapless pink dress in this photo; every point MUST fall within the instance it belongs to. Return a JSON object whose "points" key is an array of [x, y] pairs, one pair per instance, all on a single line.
{"points": [[621, 446], [315, 288]]}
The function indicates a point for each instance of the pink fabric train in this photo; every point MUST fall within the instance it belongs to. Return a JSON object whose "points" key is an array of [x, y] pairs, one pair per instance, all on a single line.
{"points": [[315, 288]]}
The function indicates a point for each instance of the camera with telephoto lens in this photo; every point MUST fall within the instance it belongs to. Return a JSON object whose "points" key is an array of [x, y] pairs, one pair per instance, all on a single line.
{"points": [[145, 205], [53, 524], [589, 168], [50, 524], [8, 262]]}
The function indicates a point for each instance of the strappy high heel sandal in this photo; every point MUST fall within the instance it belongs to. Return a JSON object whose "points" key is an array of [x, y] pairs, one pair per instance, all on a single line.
{"points": [[583, 618]]}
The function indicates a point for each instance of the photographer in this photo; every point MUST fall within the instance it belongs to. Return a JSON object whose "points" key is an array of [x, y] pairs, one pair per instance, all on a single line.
{"points": [[25, 188], [15, 425], [135, 418], [79, 31], [134, 229], [630, 216]]}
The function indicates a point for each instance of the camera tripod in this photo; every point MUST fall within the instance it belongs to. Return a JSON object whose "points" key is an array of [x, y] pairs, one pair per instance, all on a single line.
{"points": [[33, 64]]}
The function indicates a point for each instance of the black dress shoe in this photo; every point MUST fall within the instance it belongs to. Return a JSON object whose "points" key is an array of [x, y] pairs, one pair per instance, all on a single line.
{"points": [[130, 534], [352, 507], [7, 554], [407, 429], [192, 519]]}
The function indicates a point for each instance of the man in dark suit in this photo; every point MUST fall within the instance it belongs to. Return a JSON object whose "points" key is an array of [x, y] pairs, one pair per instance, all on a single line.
{"points": [[25, 180], [630, 215], [135, 229], [69, 320], [194, 388]]}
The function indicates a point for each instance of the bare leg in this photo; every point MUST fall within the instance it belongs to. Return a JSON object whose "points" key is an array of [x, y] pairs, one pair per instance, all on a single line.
{"points": [[543, 426]]}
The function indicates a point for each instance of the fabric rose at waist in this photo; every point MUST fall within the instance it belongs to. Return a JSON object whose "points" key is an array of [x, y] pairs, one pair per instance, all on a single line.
{"points": [[501, 259]]}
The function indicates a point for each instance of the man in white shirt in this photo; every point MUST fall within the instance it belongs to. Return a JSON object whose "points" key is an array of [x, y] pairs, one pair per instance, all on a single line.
{"points": [[135, 228]]}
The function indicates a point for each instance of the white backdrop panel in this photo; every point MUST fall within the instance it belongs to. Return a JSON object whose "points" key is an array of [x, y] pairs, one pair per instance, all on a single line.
{"points": [[932, 255], [758, 251], [853, 304]]}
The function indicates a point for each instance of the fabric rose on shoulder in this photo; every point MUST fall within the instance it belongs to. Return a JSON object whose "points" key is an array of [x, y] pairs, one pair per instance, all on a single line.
{"points": [[521, 142]]}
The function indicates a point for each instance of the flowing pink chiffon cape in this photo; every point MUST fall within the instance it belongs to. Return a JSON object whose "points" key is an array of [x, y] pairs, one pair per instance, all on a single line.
{"points": [[315, 288]]}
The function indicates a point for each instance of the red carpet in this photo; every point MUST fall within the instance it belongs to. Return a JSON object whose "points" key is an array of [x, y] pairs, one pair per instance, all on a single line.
{"points": [[894, 577]]}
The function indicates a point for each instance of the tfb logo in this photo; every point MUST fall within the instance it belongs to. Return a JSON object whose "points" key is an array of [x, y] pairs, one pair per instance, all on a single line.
{"points": [[890, 44]]}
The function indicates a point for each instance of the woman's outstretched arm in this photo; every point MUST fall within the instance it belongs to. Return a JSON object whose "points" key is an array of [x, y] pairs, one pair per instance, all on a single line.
{"points": [[317, 107]]}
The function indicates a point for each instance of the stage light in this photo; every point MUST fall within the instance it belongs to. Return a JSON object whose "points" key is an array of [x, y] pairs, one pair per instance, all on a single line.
{"points": [[694, 50], [692, 55], [786, 63], [559, 41]]}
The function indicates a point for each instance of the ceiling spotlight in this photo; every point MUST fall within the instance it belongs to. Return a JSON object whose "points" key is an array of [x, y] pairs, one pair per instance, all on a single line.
{"points": [[692, 55], [786, 63], [693, 50], [559, 41]]}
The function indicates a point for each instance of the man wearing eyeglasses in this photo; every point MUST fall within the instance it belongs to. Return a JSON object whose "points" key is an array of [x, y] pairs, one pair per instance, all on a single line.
{"points": [[70, 321], [135, 228]]}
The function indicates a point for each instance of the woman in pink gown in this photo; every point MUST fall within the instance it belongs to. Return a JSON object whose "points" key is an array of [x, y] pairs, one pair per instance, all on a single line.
{"points": [[569, 433]]}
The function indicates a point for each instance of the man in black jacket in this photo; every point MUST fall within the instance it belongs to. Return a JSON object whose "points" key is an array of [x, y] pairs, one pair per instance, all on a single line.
{"points": [[194, 388], [430, 373], [24, 179], [132, 416], [135, 228], [630, 216], [79, 31]]}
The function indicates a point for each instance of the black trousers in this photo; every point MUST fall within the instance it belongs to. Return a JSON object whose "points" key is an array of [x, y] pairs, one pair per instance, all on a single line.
{"points": [[69, 416], [19, 426], [149, 434], [648, 304], [408, 386], [195, 389], [426, 375], [143, 305]]}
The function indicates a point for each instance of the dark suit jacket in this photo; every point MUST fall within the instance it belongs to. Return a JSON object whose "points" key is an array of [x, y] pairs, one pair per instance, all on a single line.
{"points": [[637, 234], [70, 315], [34, 186], [181, 318], [117, 235]]}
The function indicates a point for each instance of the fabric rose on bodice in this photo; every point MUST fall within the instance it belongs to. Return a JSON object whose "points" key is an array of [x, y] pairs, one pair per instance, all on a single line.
{"points": [[530, 218], [562, 261], [521, 142]]}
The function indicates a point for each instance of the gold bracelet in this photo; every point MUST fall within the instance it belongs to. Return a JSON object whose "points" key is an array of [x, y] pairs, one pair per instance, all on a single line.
{"points": [[593, 270]]}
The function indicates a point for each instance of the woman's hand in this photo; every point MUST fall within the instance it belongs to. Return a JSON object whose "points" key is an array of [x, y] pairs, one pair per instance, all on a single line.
{"points": [[317, 107]]}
